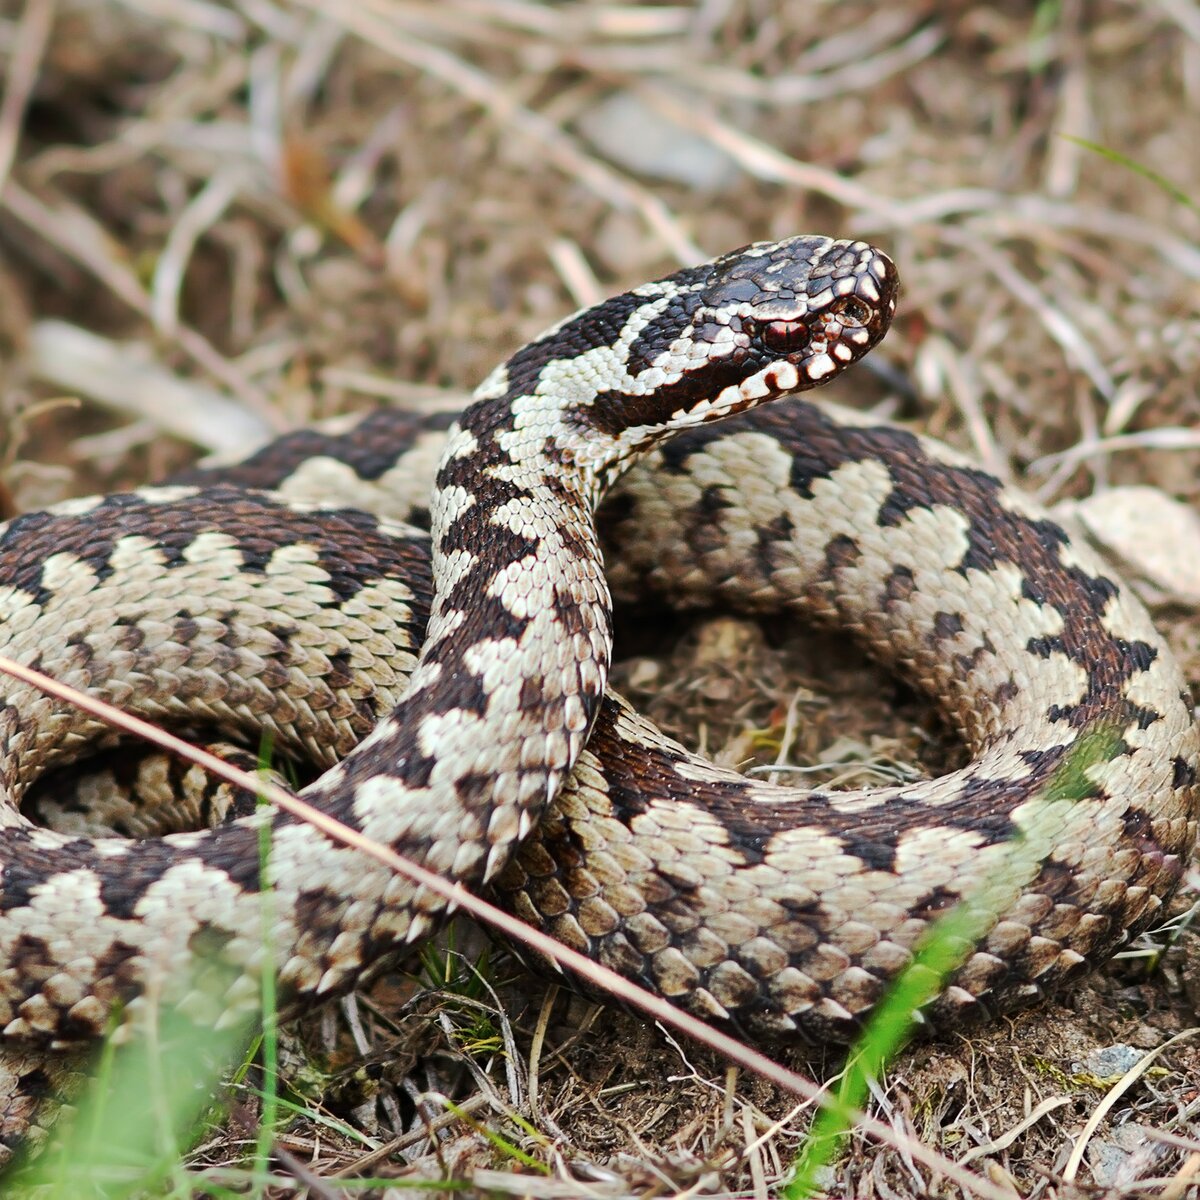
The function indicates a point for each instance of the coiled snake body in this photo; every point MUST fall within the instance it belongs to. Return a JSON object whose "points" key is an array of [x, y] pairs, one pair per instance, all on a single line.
{"points": [[782, 912]]}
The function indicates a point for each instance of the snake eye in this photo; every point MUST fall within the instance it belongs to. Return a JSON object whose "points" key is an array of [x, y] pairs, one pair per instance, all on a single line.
{"points": [[785, 337]]}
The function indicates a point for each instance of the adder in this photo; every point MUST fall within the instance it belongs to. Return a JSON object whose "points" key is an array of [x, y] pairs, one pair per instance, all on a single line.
{"points": [[453, 686]]}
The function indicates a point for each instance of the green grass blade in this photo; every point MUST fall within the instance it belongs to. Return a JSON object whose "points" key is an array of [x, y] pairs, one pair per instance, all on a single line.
{"points": [[269, 1113], [1160, 181], [498, 1140], [147, 1103], [949, 943]]}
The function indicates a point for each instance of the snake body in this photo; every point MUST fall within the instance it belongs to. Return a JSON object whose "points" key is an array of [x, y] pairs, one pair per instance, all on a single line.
{"points": [[778, 911]]}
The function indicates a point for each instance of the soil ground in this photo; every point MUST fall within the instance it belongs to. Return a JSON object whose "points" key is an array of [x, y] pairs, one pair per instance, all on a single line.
{"points": [[308, 207]]}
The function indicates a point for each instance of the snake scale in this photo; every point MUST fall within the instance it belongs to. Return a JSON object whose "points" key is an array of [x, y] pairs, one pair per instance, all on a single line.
{"points": [[452, 685]]}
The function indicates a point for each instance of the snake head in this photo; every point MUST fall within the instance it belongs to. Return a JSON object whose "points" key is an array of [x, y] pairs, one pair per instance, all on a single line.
{"points": [[804, 307], [761, 322], [764, 321]]}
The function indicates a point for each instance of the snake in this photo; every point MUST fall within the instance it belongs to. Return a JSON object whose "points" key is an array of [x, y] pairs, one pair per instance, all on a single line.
{"points": [[450, 687]]}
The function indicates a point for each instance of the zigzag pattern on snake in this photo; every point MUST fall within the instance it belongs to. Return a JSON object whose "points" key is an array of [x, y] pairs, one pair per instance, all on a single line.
{"points": [[781, 912]]}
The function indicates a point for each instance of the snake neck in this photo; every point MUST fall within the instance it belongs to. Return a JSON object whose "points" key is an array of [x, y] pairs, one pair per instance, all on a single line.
{"points": [[516, 657]]}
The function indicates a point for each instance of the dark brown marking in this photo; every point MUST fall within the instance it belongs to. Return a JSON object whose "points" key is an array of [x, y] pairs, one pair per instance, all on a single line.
{"points": [[371, 449]]}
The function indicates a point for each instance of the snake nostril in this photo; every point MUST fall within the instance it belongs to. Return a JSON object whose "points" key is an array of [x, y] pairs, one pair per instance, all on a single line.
{"points": [[854, 308]]}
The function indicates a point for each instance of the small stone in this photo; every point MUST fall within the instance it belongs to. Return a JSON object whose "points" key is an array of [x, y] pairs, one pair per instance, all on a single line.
{"points": [[627, 130], [1111, 1062], [1154, 539], [1105, 1161]]}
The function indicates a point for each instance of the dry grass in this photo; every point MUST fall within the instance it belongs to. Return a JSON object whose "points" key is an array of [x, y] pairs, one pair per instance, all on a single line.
{"points": [[267, 212]]}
